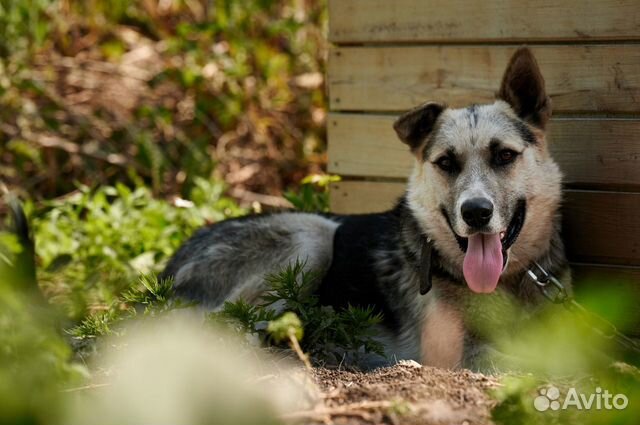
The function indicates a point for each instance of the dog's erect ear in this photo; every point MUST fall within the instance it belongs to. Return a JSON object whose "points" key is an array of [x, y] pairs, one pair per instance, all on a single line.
{"points": [[414, 126], [523, 88]]}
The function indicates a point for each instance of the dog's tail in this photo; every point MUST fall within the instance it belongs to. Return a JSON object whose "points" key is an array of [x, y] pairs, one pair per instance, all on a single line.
{"points": [[23, 270]]}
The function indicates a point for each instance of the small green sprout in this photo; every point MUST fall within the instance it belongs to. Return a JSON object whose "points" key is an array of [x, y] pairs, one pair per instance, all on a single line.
{"points": [[286, 326], [289, 327]]}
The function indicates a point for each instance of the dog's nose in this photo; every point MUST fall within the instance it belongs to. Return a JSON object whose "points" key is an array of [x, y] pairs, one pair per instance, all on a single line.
{"points": [[477, 212]]}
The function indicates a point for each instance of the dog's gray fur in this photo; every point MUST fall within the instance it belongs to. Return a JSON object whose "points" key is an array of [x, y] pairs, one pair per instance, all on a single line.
{"points": [[230, 260]]}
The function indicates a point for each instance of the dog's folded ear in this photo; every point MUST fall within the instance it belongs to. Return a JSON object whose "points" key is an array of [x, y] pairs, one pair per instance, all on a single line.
{"points": [[523, 88], [414, 126]]}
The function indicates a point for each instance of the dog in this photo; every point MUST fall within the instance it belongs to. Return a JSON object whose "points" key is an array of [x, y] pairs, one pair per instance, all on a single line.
{"points": [[481, 206]]}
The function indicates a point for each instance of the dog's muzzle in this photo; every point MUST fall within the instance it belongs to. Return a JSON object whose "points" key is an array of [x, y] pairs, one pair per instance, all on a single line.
{"points": [[510, 236], [486, 255]]}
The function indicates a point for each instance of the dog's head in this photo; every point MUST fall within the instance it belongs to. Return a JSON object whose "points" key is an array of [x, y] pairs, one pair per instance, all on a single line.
{"points": [[484, 187]]}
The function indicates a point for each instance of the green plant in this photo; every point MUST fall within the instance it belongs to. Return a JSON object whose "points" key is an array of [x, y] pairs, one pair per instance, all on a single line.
{"points": [[313, 194], [151, 293], [244, 317], [329, 335], [150, 297], [25, 26], [562, 350], [9, 248], [288, 327], [34, 360], [93, 244]]}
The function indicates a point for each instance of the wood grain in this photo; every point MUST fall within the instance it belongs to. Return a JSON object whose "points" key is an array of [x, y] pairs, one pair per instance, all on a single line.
{"points": [[359, 197], [598, 227], [366, 145], [446, 21], [583, 272], [579, 78], [602, 227], [595, 153]]}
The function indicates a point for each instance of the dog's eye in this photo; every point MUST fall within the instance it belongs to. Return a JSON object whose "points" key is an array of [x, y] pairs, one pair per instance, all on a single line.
{"points": [[505, 156], [446, 163]]}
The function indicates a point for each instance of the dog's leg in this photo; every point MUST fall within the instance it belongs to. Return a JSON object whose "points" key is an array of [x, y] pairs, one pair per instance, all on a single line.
{"points": [[442, 336]]}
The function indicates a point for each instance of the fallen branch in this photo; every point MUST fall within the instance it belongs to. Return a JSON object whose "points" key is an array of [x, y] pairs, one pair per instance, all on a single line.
{"points": [[250, 197], [72, 148]]}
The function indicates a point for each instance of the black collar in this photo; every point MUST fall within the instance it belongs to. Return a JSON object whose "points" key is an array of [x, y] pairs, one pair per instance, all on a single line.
{"points": [[429, 265], [427, 258]]}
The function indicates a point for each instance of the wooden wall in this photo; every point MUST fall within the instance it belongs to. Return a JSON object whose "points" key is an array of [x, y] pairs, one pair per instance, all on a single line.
{"points": [[389, 56]]}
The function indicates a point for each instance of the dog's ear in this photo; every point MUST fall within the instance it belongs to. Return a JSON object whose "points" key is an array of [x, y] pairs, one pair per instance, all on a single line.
{"points": [[523, 88], [414, 126]]}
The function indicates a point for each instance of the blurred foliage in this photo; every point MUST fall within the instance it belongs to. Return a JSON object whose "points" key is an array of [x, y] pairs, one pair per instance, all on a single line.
{"points": [[97, 252], [34, 359], [517, 393], [313, 194], [556, 347], [100, 92]]}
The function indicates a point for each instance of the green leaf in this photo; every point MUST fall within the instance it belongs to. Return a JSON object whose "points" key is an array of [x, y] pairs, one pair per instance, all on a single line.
{"points": [[286, 325]]}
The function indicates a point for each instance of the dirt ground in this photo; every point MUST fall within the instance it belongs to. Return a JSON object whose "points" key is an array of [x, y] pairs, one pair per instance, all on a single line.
{"points": [[406, 394]]}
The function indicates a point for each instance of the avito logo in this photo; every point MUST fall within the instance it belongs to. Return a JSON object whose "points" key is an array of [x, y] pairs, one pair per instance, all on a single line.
{"points": [[549, 398]]}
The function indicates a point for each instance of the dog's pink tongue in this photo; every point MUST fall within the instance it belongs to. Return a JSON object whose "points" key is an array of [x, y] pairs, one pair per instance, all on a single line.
{"points": [[483, 262]]}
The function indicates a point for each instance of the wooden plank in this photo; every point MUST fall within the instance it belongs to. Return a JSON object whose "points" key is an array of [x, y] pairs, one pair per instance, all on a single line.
{"points": [[597, 273], [598, 153], [579, 78], [365, 21], [360, 197], [351, 197], [598, 227], [366, 145], [602, 227]]}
